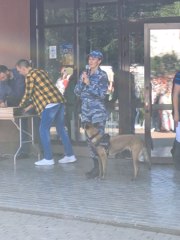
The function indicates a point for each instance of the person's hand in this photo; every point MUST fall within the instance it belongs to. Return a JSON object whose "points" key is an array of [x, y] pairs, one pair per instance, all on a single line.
{"points": [[85, 78], [176, 119], [3, 104], [27, 108]]}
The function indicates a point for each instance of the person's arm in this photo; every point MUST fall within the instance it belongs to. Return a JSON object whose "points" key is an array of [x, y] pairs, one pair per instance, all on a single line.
{"points": [[79, 86], [28, 91], [100, 88], [5, 90], [176, 94], [2, 94], [29, 107]]}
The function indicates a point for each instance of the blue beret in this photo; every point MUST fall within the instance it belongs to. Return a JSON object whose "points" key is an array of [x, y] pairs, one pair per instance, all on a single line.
{"points": [[96, 54]]}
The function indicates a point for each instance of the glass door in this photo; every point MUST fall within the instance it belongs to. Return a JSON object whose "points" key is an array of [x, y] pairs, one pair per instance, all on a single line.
{"points": [[136, 77], [162, 60]]}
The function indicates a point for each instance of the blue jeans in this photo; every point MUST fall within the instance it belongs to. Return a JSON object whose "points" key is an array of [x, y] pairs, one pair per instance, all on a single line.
{"points": [[49, 116]]}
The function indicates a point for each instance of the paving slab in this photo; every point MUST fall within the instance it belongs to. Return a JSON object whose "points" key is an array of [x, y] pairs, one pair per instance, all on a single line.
{"points": [[21, 226], [62, 192]]}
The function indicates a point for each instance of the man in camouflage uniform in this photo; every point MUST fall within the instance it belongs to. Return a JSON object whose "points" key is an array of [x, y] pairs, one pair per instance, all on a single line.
{"points": [[92, 88]]}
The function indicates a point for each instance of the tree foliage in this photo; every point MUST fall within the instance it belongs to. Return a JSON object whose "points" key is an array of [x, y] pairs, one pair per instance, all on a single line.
{"points": [[166, 64]]}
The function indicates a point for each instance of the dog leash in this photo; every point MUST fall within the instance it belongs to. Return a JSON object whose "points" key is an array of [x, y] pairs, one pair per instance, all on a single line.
{"points": [[104, 141]]}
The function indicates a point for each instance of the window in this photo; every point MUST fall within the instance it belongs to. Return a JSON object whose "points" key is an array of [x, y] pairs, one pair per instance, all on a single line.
{"points": [[58, 12]]}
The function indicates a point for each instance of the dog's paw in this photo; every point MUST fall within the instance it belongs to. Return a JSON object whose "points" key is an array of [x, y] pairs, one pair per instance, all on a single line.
{"points": [[100, 178], [92, 174], [133, 179]]}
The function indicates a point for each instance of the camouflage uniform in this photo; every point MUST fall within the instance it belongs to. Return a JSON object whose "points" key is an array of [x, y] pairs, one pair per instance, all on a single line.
{"points": [[92, 96]]}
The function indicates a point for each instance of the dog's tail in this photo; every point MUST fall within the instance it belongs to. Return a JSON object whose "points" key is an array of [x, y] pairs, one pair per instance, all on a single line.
{"points": [[146, 156]]}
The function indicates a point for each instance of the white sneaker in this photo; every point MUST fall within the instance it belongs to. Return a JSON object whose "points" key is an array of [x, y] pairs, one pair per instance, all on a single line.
{"points": [[68, 159], [152, 129], [44, 162]]}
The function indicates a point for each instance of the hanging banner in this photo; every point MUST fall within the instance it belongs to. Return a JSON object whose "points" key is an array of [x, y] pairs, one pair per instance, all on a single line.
{"points": [[67, 54]]}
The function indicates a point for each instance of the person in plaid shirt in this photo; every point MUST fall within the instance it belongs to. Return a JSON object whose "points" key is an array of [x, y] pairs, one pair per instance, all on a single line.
{"points": [[49, 104]]}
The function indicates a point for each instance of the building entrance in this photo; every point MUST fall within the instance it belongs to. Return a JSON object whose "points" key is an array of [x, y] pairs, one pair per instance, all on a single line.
{"points": [[66, 31]]}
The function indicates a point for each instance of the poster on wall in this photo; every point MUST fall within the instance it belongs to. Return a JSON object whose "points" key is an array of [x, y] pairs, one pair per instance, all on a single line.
{"points": [[66, 53], [52, 52]]}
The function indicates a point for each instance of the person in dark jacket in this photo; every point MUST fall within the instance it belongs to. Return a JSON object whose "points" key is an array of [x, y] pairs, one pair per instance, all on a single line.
{"points": [[12, 87], [176, 115]]}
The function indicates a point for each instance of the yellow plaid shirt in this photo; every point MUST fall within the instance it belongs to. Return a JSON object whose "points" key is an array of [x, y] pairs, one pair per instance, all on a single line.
{"points": [[40, 90]]}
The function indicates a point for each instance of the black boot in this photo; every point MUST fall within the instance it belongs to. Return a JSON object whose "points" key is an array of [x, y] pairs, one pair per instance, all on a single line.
{"points": [[173, 148], [176, 154], [95, 170]]}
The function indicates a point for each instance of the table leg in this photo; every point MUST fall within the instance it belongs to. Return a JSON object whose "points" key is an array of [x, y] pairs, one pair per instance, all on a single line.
{"points": [[20, 140]]}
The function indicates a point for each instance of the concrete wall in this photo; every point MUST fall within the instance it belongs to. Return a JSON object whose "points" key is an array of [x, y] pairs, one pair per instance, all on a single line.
{"points": [[14, 44], [14, 31]]}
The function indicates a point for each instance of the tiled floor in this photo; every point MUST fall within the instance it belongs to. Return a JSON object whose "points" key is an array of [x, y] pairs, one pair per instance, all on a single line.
{"points": [[150, 202]]}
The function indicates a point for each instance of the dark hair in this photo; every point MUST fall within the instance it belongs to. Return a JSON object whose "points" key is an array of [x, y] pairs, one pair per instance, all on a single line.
{"points": [[23, 63], [3, 69]]}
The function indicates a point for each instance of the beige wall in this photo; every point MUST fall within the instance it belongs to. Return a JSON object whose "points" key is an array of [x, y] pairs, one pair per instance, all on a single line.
{"points": [[14, 31], [14, 44]]}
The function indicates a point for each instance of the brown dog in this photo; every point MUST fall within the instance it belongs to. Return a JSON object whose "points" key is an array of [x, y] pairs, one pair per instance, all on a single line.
{"points": [[117, 144]]}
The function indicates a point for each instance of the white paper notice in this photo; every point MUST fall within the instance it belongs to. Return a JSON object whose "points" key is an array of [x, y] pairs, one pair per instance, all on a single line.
{"points": [[52, 52]]}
